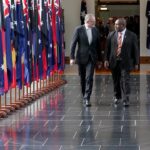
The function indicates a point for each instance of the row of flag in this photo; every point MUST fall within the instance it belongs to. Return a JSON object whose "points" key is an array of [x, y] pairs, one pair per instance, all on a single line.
{"points": [[31, 41]]}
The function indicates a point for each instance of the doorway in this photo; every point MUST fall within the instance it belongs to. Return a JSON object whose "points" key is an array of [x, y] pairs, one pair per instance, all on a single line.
{"points": [[107, 12]]}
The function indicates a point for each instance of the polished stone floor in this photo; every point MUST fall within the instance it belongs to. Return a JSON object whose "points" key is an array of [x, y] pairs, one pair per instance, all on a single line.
{"points": [[59, 121]]}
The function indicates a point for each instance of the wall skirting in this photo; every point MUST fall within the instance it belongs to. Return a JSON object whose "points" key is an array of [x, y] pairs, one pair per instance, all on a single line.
{"points": [[143, 60], [67, 59]]}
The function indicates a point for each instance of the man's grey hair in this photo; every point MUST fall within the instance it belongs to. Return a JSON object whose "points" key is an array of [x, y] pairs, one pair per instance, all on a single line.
{"points": [[88, 16]]}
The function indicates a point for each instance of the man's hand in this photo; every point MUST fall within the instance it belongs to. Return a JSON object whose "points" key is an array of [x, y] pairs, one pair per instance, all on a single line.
{"points": [[99, 64], [136, 67], [72, 61], [106, 64]]}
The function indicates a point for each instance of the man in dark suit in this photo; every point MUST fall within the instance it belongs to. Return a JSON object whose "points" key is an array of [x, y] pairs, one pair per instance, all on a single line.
{"points": [[121, 56], [88, 53]]}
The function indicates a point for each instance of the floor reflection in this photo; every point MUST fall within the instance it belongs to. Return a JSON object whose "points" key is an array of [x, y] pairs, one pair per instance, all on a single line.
{"points": [[59, 120]]}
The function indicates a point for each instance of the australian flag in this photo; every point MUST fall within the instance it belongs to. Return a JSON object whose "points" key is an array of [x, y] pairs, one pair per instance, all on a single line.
{"points": [[1, 68], [39, 41], [83, 11], [148, 24], [50, 51], [1, 54], [1, 13], [7, 40], [20, 44], [59, 33]]}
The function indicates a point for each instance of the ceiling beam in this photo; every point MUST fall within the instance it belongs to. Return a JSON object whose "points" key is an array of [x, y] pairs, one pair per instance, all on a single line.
{"points": [[118, 2]]}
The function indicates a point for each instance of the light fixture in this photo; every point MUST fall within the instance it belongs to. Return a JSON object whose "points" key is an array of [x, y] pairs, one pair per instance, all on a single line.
{"points": [[103, 8]]}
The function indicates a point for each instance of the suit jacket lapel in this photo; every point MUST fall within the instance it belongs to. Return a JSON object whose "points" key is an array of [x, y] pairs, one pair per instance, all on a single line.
{"points": [[115, 40], [93, 34], [125, 38]]}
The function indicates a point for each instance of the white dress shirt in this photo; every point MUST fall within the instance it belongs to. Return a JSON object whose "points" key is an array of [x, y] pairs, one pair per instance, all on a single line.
{"points": [[89, 34], [123, 34]]}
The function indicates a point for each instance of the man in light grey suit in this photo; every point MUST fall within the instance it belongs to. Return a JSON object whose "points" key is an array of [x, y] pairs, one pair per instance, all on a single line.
{"points": [[121, 56], [88, 54]]}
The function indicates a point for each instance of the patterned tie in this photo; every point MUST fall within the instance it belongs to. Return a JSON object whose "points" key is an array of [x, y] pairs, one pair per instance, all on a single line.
{"points": [[118, 51]]}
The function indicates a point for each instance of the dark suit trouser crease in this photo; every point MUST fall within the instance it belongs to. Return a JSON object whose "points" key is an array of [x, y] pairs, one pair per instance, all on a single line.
{"points": [[121, 81], [86, 72]]}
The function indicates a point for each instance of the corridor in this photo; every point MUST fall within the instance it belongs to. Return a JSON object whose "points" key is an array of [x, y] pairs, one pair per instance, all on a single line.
{"points": [[59, 121]]}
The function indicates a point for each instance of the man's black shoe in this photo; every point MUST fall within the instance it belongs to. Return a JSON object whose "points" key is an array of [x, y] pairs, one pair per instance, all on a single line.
{"points": [[116, 101], [87, 103], [126, 103]]}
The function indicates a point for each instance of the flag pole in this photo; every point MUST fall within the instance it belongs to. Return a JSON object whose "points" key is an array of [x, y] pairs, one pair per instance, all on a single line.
{"points": [[29, 95], [25, 97], [18, 103], [37, 89], [41, 90], [45, 88], [14, 104], [7, 110], [33, 92], [22, 102], [9, 106], [11, 103], [2, 112], [48, 85]]}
